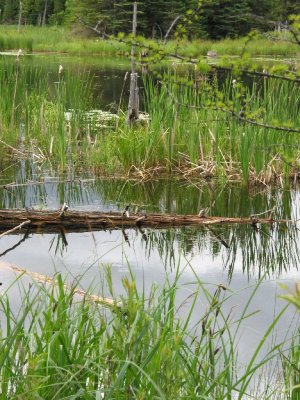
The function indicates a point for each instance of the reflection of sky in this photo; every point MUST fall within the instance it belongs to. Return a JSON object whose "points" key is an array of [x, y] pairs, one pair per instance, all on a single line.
{"points": [[88, 252]]}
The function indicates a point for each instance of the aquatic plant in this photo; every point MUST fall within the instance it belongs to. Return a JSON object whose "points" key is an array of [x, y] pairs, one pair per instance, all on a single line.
{"points": [[191, 130], [60, 345], [191, 135]]}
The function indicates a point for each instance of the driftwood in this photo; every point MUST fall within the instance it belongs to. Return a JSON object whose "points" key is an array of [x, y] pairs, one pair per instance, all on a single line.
{"points": [[76, 220], [47, 280]]}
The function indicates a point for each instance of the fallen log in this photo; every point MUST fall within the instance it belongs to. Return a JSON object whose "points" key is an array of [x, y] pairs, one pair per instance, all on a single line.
{"points": [[77, 220]]}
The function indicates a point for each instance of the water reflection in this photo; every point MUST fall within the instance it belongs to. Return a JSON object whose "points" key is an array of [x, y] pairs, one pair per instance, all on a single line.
{"points": [[266, 248], [107, 75], [235, 256]]}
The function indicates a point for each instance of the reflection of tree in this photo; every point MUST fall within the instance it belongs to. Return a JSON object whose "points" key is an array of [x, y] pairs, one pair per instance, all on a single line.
{"points": [[270, 250], [59, 243], [173, 196], [34, 190], [26, 236]]}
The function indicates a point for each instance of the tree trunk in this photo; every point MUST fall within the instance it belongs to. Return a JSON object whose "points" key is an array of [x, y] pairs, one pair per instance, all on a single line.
{"points": [[45, 13], [20, 220], [133, 105], [20, 16]]}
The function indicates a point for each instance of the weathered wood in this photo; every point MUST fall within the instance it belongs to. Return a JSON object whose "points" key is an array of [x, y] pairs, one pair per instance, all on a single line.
{"points": [[20, 15], [133, 104], [73, 220], [44, 279], [18, 227]]}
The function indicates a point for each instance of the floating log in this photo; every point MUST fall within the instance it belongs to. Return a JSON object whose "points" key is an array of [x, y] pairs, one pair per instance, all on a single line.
{"points": [[77, 220]]}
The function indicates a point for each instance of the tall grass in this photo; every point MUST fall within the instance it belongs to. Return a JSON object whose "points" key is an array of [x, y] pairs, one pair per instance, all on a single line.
{"points": [[61, 347], [188, 130], [291, 369], [59, 39], [39, 102]]}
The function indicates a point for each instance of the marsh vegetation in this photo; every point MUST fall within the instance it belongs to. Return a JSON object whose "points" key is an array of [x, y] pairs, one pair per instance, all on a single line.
{"points": [[223, 141], [185, 131]]}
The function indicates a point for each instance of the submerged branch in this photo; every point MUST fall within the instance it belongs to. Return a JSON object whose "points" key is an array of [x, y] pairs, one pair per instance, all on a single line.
{"points": [[48, 280]]}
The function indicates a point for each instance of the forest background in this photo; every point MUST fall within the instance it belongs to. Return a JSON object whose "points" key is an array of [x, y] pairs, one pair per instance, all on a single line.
{"points": [[215, 19]]}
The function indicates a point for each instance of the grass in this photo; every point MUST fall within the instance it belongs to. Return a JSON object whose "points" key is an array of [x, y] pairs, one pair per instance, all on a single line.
{"points": [[59, 346], [188, 133], [39, 103], [291, 369], [59, 39]]}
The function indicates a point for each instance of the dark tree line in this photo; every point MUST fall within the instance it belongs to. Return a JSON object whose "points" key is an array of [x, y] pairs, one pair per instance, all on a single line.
{"points": [[212, 18]]}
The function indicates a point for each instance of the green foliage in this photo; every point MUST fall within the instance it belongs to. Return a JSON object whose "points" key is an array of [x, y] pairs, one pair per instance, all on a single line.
{"points": [[63, 346], [10, 11], [209, 18], [222, 18], [292, 297], [194, 122]]}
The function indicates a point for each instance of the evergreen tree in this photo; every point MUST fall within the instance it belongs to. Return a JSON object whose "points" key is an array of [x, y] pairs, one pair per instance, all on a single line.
{"points": [[58, 12], [215, 19], [11, 10], [221, 18], [2, 3], [89, 10], [118, 15]]}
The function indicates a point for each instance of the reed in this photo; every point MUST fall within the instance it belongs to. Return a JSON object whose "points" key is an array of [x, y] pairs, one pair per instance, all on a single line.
{"points": [[188, 132], [39, 103], [61, 346], [59, 39]]}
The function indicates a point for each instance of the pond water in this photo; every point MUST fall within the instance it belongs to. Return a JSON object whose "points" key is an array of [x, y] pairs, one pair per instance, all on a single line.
{"points": [[236, 256]]}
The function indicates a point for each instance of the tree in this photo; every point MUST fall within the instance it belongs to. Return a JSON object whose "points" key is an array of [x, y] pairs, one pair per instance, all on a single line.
{"points": [[221, 18], [58, 12], [10, 11]]}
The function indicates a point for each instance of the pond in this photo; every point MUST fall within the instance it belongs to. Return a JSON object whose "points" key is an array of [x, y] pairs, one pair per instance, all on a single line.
{"points": [[236, 256]]}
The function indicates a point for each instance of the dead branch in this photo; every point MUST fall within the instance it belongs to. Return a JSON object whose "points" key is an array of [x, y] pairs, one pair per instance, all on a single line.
{"points": [[171, 27], [44, 279], [18, 227]]}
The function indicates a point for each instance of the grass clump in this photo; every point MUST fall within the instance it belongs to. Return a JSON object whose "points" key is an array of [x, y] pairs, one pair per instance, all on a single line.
{"points": [[62, 40], [60, 346], [191, 131]]}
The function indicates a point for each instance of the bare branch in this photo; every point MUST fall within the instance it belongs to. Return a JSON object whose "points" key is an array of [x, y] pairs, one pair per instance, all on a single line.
{"points": [[171, 27], [16, 228]]}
